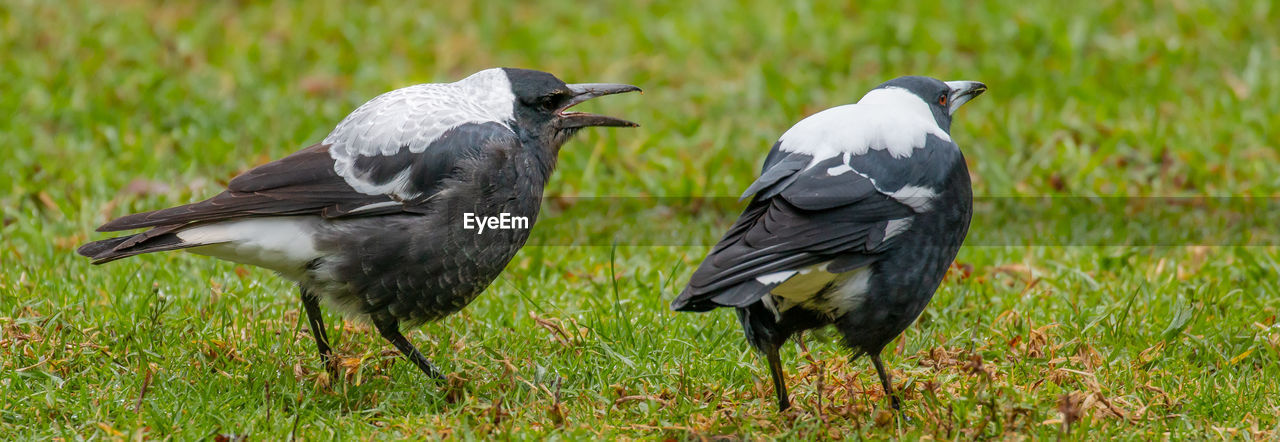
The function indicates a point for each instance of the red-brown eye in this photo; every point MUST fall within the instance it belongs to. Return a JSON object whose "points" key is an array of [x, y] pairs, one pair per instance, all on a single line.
{"points": [[942, 100]]}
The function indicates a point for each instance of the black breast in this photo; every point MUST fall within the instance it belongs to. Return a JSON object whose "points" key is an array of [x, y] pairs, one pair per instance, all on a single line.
{"points": [[906, 277], [423, 267]]}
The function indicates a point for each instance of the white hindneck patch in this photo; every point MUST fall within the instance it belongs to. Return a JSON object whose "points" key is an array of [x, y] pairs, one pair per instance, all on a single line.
{"points": [[891, 119], [414, 117]]}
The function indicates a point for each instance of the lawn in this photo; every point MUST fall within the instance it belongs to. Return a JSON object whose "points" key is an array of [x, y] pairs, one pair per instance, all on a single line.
{"points": [[1059, 330]]}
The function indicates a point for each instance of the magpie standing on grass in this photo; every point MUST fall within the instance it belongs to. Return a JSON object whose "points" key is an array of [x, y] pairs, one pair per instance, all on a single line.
{"points": [[371, 220], [858, 212]]}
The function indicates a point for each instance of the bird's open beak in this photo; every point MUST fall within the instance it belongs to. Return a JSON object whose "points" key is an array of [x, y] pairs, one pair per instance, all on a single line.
{"points": [[586, 91], [962, 92]]}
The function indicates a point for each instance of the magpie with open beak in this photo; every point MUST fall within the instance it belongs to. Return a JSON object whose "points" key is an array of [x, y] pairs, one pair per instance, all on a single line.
{"points": [[857, 214], [379, 219]]}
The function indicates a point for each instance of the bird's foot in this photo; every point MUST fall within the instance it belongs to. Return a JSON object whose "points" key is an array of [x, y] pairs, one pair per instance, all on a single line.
{"points": [[430, 369], [455, 388], [331, 368]]}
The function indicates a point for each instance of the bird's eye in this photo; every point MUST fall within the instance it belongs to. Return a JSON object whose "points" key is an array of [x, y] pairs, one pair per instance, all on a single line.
{"points": [[942, 100], [548, 101]]}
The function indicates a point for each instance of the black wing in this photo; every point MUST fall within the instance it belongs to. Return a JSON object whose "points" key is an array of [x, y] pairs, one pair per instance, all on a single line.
{"points": [[801, 215], [306, 183]]}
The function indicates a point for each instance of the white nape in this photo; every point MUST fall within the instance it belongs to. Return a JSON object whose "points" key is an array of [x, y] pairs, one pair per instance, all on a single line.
{"points": [[415, 117], [284, 244], [890, 118]]}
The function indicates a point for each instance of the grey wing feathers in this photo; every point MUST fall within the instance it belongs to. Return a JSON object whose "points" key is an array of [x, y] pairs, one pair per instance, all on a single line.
{"points": [[300, 184], [306, 183], [778, 173], [798, 218]]}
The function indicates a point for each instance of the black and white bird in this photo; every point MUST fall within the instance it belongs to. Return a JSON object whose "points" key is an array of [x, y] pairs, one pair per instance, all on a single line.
{"points": [[857, 214], [374, 219]]}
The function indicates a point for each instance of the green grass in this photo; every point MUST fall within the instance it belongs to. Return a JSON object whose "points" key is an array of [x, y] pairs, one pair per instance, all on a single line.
{"points": [[116, 107]]}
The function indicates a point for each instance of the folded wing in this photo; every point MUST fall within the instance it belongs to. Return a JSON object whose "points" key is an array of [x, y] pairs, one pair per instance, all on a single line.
{"points": [[803, 213], [306, 183]]}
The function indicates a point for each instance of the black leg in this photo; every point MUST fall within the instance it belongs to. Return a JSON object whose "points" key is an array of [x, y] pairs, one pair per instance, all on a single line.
{"points": [[315, 321], [389, 327], [779, 383], [885, 381]]}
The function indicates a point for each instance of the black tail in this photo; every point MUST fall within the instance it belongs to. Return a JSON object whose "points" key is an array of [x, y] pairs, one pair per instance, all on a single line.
{"points": [[741, 295], [158, 239]]}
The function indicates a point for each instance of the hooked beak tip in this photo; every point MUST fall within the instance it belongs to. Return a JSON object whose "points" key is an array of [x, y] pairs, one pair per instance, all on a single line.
{"points": [[962, 92]]}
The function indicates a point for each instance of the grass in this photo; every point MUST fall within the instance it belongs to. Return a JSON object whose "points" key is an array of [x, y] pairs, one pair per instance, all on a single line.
{"points": [[116, 107]]}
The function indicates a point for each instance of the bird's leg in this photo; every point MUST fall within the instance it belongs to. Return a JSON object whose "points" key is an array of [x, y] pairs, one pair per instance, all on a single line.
{"points": [[389, 327], [311, 304], [885, 381], [779, 383]]}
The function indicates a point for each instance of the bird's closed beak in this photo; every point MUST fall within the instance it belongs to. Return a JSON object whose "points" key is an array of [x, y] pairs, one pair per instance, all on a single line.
{"points": [[586, 91], [962, 92]]}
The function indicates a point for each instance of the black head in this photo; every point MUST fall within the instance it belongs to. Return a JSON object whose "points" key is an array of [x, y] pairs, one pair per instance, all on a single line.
{"points": [[943, 97], [542, 102]]}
